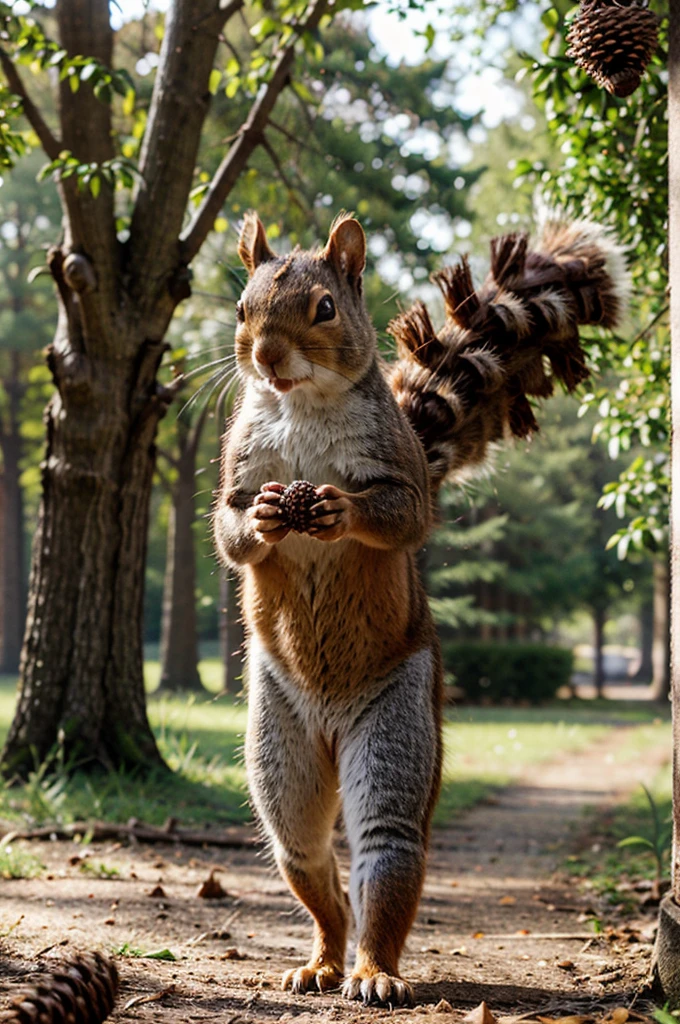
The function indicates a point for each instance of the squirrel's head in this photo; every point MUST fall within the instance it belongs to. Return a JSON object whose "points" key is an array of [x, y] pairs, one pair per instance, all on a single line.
{"points": [[301, 320]]}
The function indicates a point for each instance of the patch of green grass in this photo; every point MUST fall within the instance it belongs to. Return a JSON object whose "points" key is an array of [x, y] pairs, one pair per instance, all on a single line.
{"points": [[200, 737], [486, 747], [610, 867], [100, 870], [17, 862]]}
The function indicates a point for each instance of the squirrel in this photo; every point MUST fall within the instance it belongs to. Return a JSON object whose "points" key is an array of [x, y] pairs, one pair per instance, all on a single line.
{"points": [[343, 663]]}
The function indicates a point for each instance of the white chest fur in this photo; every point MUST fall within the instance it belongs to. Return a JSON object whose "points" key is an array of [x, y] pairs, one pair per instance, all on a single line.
{"points": [[291, 438]]}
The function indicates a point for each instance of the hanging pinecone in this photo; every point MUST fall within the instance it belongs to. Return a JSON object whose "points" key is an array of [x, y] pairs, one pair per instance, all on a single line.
{"points": [[613, 43], [82, 991], [296, 503]]}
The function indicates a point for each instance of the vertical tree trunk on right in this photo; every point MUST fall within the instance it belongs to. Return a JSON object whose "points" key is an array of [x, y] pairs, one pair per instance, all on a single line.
{"points": [[667, 951]]}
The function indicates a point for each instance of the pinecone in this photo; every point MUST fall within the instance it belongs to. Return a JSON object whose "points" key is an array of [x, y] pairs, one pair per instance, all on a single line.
{"points": [[296, 503], [613, 43], [83, 991]]}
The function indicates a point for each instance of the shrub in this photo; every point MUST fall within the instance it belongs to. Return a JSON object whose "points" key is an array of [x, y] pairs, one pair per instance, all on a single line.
{"points": [[508, 672]]}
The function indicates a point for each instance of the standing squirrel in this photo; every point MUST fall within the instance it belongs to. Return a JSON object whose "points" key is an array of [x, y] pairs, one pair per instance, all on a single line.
{"points": [[344, 665]]}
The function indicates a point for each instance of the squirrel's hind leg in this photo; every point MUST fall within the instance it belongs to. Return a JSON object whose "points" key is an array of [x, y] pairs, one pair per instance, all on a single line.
{"points": [[390, 764], [294, 788]]}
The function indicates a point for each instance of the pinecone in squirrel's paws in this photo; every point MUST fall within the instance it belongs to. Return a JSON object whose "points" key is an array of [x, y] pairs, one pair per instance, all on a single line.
{"points": [[613, 43], [82, 991], [296, 503]]}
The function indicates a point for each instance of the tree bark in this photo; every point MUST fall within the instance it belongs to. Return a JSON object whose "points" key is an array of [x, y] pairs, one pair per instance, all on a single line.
{"points": [[12, 582], [661, 632], [599, 621], [674, 252], [179, 640]]}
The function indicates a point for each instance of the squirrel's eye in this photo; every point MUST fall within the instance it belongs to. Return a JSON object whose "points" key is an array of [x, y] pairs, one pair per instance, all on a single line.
{"points": [[240, 312], [325, 310]]}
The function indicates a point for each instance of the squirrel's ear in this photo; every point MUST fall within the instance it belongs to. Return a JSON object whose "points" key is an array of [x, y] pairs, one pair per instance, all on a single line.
{"points": [[253, 247], [346, 248]]}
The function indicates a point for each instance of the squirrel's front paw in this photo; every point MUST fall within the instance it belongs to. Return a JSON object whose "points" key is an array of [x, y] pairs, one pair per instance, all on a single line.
{"points": [[332, 515], [266, 514], [311, 978]]}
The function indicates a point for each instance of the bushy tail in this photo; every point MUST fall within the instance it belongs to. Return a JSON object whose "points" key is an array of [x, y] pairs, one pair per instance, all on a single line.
{"points": [[467, 386]]}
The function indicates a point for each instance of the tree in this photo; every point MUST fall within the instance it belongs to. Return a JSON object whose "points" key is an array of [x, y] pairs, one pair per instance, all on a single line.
{"points": [[28, 215], [120, 271]]}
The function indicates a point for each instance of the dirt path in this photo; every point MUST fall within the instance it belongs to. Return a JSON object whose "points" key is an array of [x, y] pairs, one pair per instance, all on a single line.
{"points": [[491, 893]]}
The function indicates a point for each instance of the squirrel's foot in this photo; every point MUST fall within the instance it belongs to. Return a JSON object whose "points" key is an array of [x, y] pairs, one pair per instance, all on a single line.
{"points": [[311, 978], [378, 988]]}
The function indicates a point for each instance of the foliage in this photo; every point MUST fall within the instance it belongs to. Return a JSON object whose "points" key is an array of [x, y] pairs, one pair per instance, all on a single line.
{"points": [[501, 672], [615, 170], [17, 862], [660, 840]]}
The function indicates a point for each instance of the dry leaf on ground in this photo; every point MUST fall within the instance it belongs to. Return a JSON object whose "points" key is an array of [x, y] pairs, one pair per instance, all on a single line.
{"points": [[211, 889], [480, 1015]]}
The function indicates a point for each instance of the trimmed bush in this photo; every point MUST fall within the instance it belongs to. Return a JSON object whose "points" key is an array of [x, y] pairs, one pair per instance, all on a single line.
{"points": [[507, 672]]}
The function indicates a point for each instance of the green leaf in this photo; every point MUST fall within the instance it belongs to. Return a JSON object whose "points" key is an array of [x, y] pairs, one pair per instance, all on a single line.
{"points": [[214, 81], [636, 841], [129, 102], [160, 954], [95, 185]]}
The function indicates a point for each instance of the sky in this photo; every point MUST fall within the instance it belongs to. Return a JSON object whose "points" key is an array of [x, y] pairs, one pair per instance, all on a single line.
{"points": [[481, 89]]}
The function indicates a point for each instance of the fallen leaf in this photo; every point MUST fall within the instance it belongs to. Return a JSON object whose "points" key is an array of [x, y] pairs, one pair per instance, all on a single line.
{"points": [[211, 889], [568, 965], [157, 893], [232, 954], [523, 931], [460, 951], [507, 901], [443, 1006], [153, 997], [480, 1015], [160, 954], [619, 1015], [478, 935]]}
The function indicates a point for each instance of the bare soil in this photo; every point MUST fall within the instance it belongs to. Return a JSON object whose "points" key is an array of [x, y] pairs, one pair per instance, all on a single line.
{"points": [[499, 921]]}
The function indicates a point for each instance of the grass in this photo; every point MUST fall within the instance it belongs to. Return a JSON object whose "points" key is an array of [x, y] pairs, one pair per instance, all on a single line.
{"points": [[200, 738], [609, 867]]}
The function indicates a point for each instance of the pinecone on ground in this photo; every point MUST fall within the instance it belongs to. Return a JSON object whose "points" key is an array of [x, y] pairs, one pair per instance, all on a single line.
{"points": [[613, 43], [82, 991], [296, 503]]}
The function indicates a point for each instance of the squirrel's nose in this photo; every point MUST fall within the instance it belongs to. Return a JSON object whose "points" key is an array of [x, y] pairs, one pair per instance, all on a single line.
{"points": [[267, 353]]}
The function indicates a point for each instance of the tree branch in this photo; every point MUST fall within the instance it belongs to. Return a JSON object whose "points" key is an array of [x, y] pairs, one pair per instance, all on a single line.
{"points": [[250, 136], [179, 105], [48, 141]]}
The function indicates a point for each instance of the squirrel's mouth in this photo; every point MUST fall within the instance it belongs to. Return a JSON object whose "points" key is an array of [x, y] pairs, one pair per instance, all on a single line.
{"points": [[282, 384]]}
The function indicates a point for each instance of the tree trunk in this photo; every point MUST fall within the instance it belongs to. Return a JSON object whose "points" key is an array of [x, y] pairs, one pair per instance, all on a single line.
{"points": [[231, 634], [599, 620], [12, 584], [82, 672], [179, 641], [661, 635], [646, 670]]}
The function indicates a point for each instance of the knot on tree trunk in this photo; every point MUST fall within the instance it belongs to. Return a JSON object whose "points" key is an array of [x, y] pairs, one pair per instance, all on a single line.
{"points": [[179, 284], [71, 373], [79, 273]]}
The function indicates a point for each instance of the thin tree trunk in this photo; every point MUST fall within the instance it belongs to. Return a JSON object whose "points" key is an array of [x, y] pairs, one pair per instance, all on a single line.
{"points": [[661, 632], [231, 635], [599, 621], [646, 670], [12, 583], [179, 641]]}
